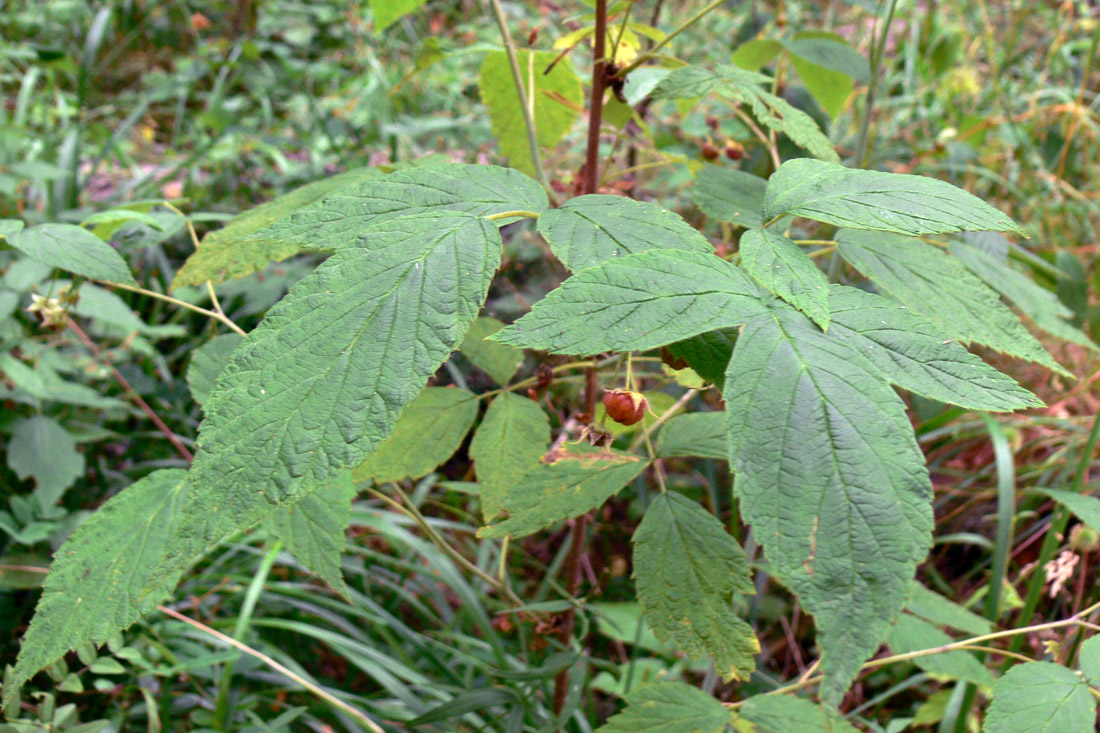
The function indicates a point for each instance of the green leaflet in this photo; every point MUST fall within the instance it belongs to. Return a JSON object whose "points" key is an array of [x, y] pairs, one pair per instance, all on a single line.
{"points": [[1040, 697], [42, 448], [913, 354], [569, 485], [942, 612], [892, 202], [638, 302], [708, 353], [910, 634], [338, 218], [1036, 302], [237, 250], [73, 249], [830, 477], [10, 227], [787, 714], [102, 578], [828, 67], [436, 423], [499, 361], [588, 230], [939, 288], [385, 12], [782, 267], [1084, 507], [1088, 660], [687, 568], [729, 194], [207, 363], [313, 529], [320, 382], [669, 707], [699, 434], [511, 439], [558, 96], [744, 87]]}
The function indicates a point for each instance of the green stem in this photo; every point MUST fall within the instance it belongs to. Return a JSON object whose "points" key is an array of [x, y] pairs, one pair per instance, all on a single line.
{"points": [[221, 317], [872, 87], [510, 214]]}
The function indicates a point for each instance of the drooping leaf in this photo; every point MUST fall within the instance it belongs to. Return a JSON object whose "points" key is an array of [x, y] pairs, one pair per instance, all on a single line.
{"points": [[638, 302], [558, 98], [669, 707], [829, 475], [385, 12], [708, 353], [566, 486], [786, 714], [939, 288], [73, 249], [103, 578], [237, 249], [207, 363], [1035, 301], [429, 431], [745, 87], [933, 607], [1040, 697], [318, 385], [41, 448], [910, 634], [499, 361], [1084, 507], [687, 568], [313, 529], [511, 439], [730, 195], [915, 355], [892, 202], [1088, 660], [782, 267], [338, 218], [699, 434], [588, 230]]}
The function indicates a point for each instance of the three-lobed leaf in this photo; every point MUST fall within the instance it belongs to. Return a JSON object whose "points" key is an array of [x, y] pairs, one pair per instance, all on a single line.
{"points": [[687, 568]]}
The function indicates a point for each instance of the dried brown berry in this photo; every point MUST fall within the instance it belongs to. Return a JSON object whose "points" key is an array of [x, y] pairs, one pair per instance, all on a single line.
{"points": [[624, 406], [709, 151], [734, 150]]}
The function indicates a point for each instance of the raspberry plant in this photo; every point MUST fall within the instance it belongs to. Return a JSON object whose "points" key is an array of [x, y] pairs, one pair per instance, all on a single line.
{"points": [[329, 393]]}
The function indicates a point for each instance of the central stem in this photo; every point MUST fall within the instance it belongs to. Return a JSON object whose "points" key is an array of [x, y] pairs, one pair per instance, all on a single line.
{"points": [[595, 105]]}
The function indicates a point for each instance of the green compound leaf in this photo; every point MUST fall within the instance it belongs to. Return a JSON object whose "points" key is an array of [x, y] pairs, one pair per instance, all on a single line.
{"points": [[911, 634], [699, 434], [942, 612], [338, 218], [669, 707], [386, 12], [892, 202], [321, 381], [511, 439], [499, 361], [687, 568], [237, 250], [787, 714], [73, 249], [1084, 507], [207, 363], [558, 96], [708, 353], [1040, 697], [638, 302], [938, 287], [830, 476], [782, 267], [102, 578], [41, 448], [1035, 301], [588, 230], [429, 431], [567, 486], [745, 87], [730, 195], [314, 528], [915, 355]]}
